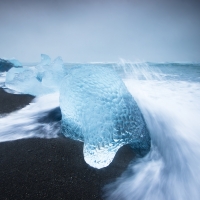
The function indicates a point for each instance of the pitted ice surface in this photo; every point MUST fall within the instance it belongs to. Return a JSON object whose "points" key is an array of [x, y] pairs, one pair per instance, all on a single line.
{"points": [[98, 110]]}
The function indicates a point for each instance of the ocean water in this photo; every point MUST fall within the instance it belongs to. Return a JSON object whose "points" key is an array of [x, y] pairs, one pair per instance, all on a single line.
{"points": [[168, 95]]}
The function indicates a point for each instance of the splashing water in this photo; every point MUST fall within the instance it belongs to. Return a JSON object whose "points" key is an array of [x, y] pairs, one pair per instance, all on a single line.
{"points": [[172, 111], [32, 121]]}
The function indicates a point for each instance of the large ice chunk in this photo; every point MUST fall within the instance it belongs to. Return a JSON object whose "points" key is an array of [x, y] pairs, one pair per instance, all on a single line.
{"points": [[44, 63], [97, 109], [50, 73], [43, 79], [24, 80], [54, 74], [43, 66]]}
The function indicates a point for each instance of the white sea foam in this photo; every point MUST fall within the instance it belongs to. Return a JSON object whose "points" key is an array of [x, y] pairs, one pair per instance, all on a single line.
{"points": [[25, 123], [171, 170]]}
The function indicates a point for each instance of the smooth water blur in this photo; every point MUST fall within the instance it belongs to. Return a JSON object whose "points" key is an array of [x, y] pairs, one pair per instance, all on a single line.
{"points": [[34, 120], [169, 98]]}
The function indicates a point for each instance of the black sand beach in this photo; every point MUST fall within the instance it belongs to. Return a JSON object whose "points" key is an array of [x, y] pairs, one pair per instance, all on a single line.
{"points": [[11, 102], [51, 168]]}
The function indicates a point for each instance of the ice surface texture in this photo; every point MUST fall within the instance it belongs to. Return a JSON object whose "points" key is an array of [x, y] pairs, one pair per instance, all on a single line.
{"points": [[98, 109]]}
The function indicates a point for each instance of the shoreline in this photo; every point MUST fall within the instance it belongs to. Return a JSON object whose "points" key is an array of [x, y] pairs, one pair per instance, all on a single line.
{"points": [[51, 168], [12, 102]]}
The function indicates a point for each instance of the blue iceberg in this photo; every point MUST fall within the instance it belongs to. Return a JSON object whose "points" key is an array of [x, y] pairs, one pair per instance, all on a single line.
{"points": [[15, 62], [24, 80], [42, 79], [98, 110], [53, 75]]}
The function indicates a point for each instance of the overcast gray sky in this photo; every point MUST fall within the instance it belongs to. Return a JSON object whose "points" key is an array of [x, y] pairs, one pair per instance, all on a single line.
{"points": [[100, 30]]}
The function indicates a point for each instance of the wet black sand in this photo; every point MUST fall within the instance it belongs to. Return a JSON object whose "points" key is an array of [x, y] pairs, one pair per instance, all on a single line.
{"points": [[51, 168], [10, 102]]}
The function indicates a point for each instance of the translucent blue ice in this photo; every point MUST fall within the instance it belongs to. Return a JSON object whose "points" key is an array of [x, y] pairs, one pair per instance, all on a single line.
{"points": [[98, 110], [54, 74], [24, 80], [15, 62], [43, 66], [43, 79], [45, 61]]}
